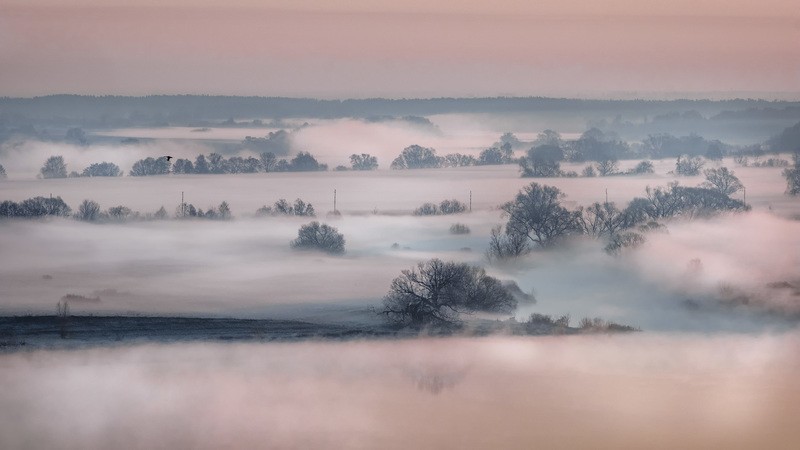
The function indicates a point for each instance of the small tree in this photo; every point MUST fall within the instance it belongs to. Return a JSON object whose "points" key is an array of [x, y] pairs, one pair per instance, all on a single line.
{"points": [[54, 167], [792, 176], [363, 161], [687, 166], [224, 211], [3, 175], [542, 161], [722, 180], [321, 237], [536, 212], [103, 169], [120, 213], [416, 157], [506, 246], [607, 166], [436, 293], [88, 211], [642, 168]]}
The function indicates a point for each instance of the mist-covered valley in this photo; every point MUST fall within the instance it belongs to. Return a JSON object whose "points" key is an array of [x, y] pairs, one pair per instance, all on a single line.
{"points": [[676, 311]]}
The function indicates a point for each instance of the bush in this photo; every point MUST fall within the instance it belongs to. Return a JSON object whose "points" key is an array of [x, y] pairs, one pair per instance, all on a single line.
{"points": [[321, 237], [459, 228]]}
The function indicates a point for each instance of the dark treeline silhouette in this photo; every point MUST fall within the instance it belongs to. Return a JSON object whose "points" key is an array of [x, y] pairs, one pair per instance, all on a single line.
{"points": [[189, 107], [537, 218], [215, 163]]}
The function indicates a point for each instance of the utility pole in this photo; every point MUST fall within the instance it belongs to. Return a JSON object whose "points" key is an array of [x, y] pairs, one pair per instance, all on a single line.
{"points": [[470, 201], [183, 206], [606, 195], [334, 201]]}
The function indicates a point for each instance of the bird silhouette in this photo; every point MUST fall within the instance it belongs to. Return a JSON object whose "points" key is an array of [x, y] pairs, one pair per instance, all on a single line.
{"points": [[168, 158]]}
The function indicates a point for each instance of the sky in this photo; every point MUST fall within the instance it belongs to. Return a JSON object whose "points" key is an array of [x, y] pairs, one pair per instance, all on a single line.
{"points": [[416, 48]]}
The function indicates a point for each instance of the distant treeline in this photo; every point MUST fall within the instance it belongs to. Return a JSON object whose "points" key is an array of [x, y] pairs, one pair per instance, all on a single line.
{"points": [[188, 108]]}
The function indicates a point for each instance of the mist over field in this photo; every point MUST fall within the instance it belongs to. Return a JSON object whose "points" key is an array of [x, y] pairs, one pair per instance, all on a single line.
{"points": [[708, 302]]}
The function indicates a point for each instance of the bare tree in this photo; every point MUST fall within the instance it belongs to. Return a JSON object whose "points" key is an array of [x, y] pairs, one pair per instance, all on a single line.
{"points": [[89, 211], [688, 166], [536, 212], [722, 180], [436, 293], [607, 166], [363, 161], [504, 246], [601, 219]]}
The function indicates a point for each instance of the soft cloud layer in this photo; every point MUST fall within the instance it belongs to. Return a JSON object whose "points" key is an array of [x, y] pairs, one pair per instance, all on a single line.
{"points": [[636, 391]]}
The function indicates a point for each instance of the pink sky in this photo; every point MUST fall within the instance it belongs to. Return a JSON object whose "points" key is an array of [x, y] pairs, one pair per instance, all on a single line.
{"points": [[360, 48]]}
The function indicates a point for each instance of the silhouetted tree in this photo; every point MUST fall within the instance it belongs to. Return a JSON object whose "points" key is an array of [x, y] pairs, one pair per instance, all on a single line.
{"points": [[601, 219], [458, 160], [542, 161], [268, 161], [322, 237], [121, 213], [416, 157], [445, 207], [641, 168], [54, 167], [505, 245], [305, 162], [183, 166], [722, 180], [792, 175], [103, 169], [363, 161], [3, 174], [150, 166], [76, 136], [536, 213], [201, 165], [436, 293], [495, 156], [607, 166], [88, 211], [687, 166]]}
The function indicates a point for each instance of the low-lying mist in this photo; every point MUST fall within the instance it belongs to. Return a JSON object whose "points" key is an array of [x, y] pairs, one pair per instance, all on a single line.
{"points": [[633, 391], [717, 274]]}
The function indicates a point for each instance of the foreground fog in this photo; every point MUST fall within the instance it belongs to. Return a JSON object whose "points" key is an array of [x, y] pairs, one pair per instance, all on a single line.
{"points": [[634, 391]]}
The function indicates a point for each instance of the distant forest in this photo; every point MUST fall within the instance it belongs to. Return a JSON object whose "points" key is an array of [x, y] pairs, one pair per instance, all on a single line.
{"points": [[743, 120]]}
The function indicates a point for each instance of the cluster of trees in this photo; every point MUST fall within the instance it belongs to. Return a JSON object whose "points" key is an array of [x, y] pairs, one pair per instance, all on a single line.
{"points": [[665, 145], [284, 208], [55, 167], [35, 207], [444, 208], [418, 157], [215, 163], [537, 218], [189, 211]]}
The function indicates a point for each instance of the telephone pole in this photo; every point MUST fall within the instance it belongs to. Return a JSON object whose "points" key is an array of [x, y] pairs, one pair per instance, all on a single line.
{"points": [[470, 201], [334, 201]]}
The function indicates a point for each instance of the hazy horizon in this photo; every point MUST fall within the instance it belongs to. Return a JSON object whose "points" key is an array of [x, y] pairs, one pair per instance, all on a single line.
{"points": [[360, 49]]}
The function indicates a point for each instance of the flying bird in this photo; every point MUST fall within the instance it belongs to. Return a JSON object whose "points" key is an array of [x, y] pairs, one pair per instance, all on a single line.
{"points": [[168, 158]]}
